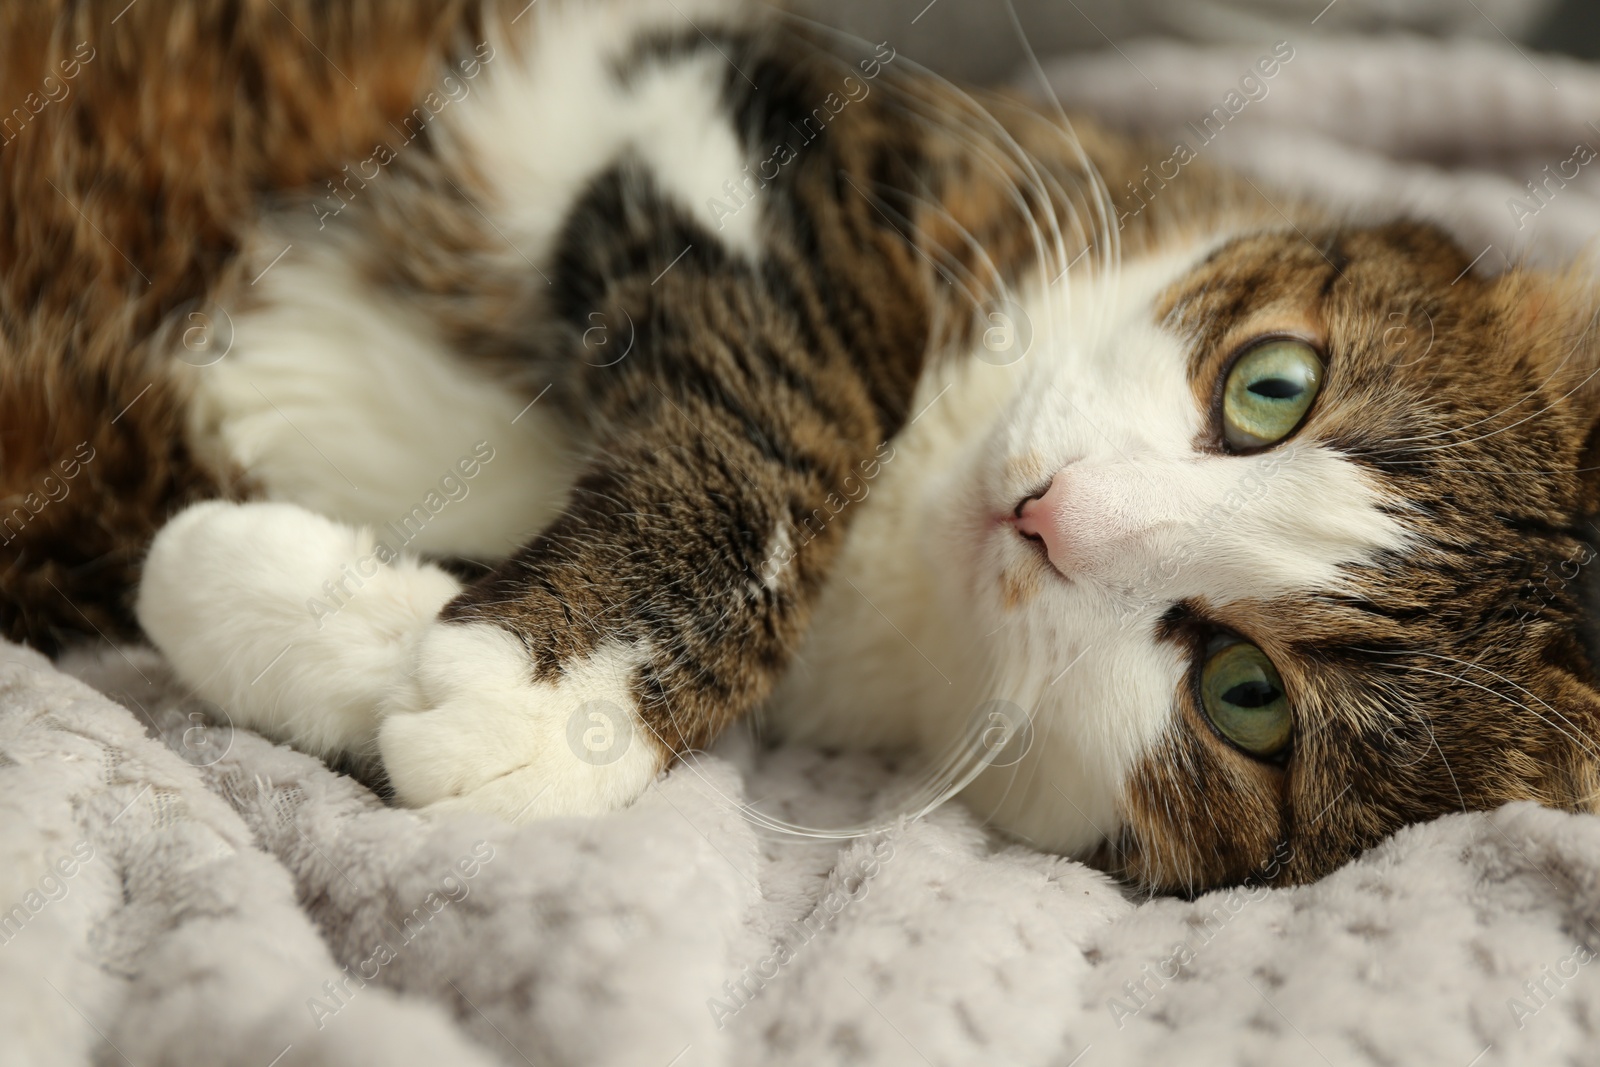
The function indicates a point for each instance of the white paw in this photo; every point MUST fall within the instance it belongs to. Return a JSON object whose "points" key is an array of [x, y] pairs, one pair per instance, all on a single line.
{"points": [[292, 623], [472, 730]]}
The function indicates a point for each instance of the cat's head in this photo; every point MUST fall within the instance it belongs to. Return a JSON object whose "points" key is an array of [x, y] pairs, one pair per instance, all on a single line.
{"points": [[1283, 543]]}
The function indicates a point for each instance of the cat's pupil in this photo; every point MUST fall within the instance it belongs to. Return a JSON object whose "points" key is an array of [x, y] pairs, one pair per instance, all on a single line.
{"points": [[1276, 388], [1252, 694]]}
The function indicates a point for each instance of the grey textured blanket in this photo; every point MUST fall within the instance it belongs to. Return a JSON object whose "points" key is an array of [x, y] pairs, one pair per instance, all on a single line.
{"points": [[205, 897], [173, 891]]}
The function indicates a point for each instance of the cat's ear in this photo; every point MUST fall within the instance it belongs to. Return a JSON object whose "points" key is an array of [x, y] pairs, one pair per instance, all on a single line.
{"points": [[1569, 765], [1553, 321], [1549, 326]]}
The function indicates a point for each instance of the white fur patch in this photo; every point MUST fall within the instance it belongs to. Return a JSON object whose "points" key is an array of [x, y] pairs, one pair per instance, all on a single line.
{"points": [[1109, 407], [780, 550], [285, 619], [471, 730], [542, 127], [340, 398]]}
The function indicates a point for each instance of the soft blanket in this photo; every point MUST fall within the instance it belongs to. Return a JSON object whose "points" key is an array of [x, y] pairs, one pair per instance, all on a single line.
{"points": [[174, 891]]}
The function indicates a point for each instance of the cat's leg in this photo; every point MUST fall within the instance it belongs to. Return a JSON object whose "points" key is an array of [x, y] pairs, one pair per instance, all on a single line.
{"points": [[309, 631], [668, 597], [652, 613], [294, 624]]}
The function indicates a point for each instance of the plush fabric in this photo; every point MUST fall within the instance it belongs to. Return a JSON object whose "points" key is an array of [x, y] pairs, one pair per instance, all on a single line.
{"points": [[1449, 131], [173, 891], [975, 40]]}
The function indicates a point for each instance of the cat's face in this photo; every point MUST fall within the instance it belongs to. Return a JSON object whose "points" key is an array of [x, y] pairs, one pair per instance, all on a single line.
{"points": [[1282, 536]]}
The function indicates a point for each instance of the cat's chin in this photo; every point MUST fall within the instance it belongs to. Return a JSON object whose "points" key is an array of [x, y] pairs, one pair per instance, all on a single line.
{"points": [[471, 729]]}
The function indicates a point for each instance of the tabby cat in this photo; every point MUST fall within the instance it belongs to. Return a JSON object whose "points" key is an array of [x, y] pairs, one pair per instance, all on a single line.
{"points": [[521, 393]]}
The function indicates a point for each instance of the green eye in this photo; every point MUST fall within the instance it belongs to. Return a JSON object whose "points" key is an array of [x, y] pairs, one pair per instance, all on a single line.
{"points": [[1244, 698], [1268, 392]]}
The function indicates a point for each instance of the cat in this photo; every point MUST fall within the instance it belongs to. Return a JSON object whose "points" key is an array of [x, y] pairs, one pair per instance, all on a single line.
{"points": [[512, 396]]}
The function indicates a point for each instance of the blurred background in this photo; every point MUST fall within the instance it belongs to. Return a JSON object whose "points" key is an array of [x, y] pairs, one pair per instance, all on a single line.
{"points": [[1572, 26], [974, 40]]}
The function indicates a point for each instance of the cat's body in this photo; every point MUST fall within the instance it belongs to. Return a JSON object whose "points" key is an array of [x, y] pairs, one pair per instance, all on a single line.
{"points": [[769, 374]]}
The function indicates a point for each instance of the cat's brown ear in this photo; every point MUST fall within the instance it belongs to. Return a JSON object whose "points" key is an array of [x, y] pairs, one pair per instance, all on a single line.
{"points": [[1554, 320], [1549, 346], [1569, 765]]}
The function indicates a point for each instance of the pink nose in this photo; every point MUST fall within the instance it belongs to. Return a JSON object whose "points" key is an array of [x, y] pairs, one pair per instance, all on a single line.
{"points": [[1042, 517]]}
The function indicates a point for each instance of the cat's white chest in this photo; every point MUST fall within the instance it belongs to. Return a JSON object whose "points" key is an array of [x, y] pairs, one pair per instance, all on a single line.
{"points": [[894, 656]]}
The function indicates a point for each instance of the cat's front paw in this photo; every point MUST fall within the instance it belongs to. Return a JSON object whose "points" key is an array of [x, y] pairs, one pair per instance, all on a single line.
{"points": [[472, 729], [294, 624]]}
